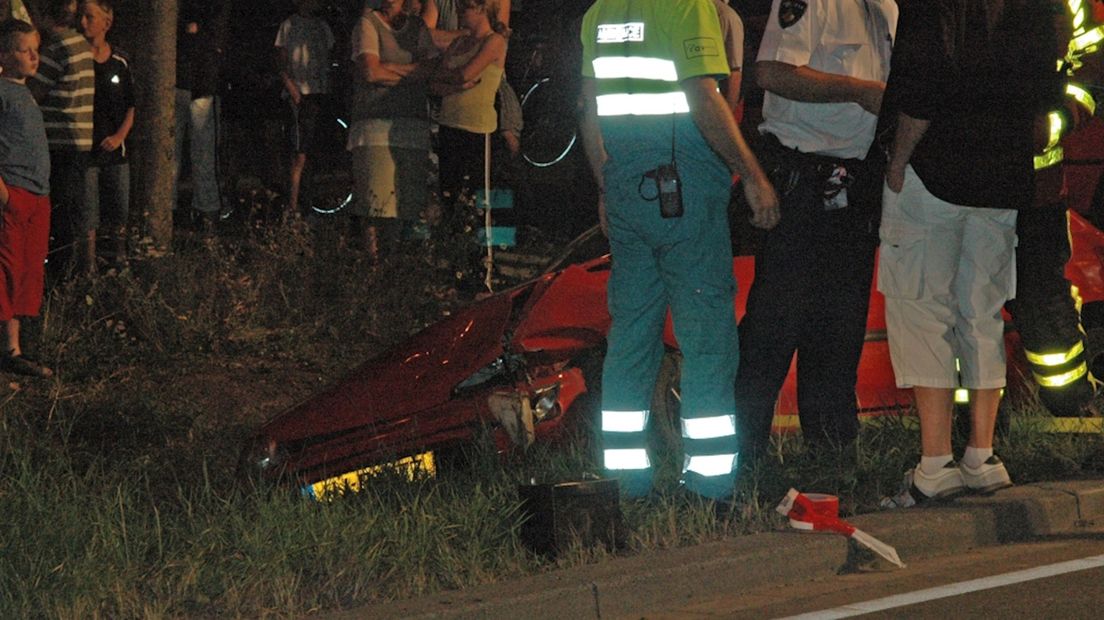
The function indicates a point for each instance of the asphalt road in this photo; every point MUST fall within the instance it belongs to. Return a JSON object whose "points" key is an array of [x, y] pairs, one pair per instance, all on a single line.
{"points": [[783, 573], [1073, 594]]}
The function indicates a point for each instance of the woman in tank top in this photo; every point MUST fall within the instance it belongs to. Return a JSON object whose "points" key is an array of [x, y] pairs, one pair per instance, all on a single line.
{"points": [[468, 78], [390, 134]]}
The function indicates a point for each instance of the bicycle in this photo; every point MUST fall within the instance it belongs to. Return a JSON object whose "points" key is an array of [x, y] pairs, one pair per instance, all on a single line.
{"points": [[332, 183], [547, 105]]}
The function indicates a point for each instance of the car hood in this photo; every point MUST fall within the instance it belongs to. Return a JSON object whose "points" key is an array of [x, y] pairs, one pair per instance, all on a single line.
{"points": [[415, 375]]}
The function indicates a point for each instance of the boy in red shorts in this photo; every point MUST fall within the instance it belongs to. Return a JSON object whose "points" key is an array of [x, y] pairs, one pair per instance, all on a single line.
{"points": [[24, 194]]}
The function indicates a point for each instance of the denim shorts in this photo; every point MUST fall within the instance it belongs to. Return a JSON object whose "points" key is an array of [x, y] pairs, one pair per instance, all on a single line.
{"points": [[106, 192]]}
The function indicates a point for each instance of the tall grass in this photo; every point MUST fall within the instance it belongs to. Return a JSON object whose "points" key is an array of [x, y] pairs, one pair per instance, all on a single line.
{"points": [[118, 497]]}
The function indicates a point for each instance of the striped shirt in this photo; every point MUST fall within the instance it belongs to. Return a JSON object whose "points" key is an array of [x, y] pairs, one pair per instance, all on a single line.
{"points": [[67, 70]]}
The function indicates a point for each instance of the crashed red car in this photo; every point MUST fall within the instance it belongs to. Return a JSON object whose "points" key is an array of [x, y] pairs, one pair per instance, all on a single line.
{"points": [[525, 362]]}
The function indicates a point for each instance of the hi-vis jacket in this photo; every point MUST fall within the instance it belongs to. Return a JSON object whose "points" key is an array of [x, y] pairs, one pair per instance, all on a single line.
{"points": [[642, 51], [1086, 39]]}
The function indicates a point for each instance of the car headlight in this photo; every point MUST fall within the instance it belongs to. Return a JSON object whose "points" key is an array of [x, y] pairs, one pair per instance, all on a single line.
{"points": [[545, 403], [263, 456]]}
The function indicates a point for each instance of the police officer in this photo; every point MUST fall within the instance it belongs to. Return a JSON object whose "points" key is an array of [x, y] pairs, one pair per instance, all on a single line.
{"points": [[1047, 307], [823, 66], [662, 146]]}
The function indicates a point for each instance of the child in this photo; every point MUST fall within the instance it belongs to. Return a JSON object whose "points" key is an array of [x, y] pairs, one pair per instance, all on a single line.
{"points": [[24, 193], [303, 46], [108, 177]]}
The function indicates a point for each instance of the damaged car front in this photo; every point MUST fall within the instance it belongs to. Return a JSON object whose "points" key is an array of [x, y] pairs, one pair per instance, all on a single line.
{"points": [[506, 362]]}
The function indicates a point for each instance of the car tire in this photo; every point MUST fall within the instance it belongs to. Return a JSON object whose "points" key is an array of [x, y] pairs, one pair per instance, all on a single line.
{"points": [[665, 435], [584, 417]]}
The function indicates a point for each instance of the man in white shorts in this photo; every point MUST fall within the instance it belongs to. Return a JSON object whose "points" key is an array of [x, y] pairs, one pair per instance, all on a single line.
{"points": [[960, 167]]}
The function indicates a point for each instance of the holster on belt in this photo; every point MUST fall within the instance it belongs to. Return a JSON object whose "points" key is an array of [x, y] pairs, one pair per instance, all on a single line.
{"points": [[787, 167]]}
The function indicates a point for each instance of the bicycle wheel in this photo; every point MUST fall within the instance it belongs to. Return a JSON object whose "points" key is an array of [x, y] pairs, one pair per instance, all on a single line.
{"points": [[332, 183], [549, 132]]}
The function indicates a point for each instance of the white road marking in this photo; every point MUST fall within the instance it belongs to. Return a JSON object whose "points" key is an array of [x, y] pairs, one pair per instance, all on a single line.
{"points": [[953, 589]]}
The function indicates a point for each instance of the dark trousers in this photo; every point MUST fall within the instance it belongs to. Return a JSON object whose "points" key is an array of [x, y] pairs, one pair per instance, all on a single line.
{"points": [[460, 158], [1044, 310], [67, 188], [810, 297]]}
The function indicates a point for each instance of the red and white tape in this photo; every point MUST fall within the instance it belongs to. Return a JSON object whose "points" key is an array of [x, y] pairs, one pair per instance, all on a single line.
{"points": [[814, 512], [819, 512]]}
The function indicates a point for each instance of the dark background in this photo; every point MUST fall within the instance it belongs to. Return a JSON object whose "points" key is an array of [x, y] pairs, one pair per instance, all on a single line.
{"points": [[557, 199]]}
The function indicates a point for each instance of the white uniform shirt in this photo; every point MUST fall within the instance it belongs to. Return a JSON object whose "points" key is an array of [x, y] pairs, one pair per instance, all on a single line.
{"points": [[307, 41], [844, 37]]}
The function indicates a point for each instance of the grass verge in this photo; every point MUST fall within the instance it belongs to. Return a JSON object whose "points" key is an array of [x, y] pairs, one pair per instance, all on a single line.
{"points": [[117, 484]]}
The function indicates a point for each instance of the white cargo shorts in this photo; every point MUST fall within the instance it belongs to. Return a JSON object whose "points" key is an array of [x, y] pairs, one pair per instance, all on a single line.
{"points": [[946, 271]]}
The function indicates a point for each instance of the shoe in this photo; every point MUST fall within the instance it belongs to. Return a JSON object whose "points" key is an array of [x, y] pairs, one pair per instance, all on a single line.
{"points": [[919, 488], [24, 365], [988, 477]]}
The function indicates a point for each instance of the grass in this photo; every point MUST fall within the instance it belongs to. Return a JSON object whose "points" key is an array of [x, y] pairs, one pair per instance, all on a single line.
{"points": [[117, 484]]}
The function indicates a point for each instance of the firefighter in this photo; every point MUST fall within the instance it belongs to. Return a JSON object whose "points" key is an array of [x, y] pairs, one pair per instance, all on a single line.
{"points": [[662, 146], [1047, 307]]}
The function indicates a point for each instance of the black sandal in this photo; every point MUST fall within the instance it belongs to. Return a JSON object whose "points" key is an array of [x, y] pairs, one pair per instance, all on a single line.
{"points": [[27, 366]]}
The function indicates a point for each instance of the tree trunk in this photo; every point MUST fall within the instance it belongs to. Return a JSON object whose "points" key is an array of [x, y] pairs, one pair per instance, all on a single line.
{"points": [[155, 70]]}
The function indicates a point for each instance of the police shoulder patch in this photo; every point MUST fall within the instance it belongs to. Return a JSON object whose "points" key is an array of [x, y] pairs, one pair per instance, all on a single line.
{"points": [[791, 11]]}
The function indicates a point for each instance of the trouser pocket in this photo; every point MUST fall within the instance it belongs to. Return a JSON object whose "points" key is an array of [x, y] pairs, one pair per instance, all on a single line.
{"points": [[901, 263]]}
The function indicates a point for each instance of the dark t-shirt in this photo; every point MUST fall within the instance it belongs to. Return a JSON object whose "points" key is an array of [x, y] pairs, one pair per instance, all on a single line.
{"points": [[114, 96], [979, 70]]}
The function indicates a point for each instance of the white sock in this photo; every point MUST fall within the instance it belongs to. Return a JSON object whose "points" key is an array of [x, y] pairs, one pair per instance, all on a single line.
{"points": [[931, 465], [976, 457]]}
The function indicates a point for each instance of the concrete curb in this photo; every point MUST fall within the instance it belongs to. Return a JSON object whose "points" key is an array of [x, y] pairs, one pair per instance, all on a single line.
{"points": [[634, 585]]}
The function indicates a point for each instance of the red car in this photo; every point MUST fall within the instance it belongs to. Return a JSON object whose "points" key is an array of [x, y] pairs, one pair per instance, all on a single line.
{"points": [[524, 362]]}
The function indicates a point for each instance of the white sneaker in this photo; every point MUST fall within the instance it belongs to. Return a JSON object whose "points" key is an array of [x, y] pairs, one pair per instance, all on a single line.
{"points": [[918, 487], [988, 477]]}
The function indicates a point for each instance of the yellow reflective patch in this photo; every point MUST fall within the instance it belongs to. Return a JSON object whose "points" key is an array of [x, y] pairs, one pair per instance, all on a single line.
{"points": [[1072, 425], [1049, 158], [1064, 378], [1057, 125], [1078, 15], [1082, 43], [1082, 96], [962, 396], [410, 467], [1055, 359]]}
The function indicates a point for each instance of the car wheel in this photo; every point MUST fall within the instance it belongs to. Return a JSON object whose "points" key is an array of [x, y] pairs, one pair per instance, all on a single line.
{"points": [[665, 437], [584, 418]]}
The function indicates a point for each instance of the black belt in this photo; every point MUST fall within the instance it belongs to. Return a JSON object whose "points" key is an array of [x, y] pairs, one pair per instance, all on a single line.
{"points": [[774, 146]]}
